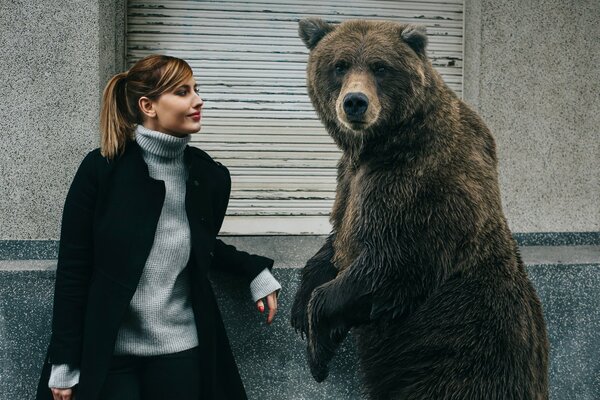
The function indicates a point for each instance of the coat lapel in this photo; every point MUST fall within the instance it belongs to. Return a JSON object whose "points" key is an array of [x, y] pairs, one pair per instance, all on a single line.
{"points": [[129, 206], [199, 208], [198, 197]]}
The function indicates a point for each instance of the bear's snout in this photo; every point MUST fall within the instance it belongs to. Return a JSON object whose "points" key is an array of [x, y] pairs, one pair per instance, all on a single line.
{"points": [[355, 105]]}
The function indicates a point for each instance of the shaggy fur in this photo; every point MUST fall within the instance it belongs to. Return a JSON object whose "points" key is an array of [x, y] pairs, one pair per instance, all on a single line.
{"points": [[420, 263]]}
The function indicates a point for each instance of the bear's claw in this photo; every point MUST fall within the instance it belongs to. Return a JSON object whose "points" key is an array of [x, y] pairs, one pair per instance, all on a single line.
{"points": [[318, 369], [299, 321], [320, 373]]}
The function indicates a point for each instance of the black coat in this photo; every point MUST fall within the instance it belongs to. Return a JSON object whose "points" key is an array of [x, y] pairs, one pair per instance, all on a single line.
{"points": [[108, 225]]}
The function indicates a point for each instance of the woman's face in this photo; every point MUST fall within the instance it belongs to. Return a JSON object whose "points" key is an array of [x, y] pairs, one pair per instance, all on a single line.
{"points": [[177, 113]]}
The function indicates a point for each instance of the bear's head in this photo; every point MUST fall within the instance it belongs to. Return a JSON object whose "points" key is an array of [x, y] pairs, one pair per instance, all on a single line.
{"points": [[365, 77]]}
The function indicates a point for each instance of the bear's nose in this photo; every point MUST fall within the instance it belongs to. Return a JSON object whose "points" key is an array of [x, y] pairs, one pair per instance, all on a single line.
{"points": [[355, 105]]}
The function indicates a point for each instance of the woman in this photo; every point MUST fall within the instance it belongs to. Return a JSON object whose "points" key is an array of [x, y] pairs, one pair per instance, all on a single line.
{"points": [[134, 313]]}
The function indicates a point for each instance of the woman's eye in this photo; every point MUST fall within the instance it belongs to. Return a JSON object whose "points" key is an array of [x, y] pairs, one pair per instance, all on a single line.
{"points": [[181, 93]]}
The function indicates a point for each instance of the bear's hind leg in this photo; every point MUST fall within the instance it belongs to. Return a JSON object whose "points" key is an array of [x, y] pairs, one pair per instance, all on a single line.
{"points": [[474, 338]]}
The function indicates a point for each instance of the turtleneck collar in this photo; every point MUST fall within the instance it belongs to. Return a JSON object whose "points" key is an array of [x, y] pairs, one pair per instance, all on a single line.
{"points": [[160, 144]]}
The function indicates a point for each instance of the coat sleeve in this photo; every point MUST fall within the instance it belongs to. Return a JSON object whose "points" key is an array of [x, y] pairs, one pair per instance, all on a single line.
{"points": [[225, 256], [228, 258], [74, 268]]}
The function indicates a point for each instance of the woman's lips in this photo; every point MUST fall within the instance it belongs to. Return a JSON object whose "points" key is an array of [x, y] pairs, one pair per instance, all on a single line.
{"points": [[195, 116]]}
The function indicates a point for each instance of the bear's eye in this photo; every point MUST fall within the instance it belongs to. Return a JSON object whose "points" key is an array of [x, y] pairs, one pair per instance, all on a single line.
{"points": [[380, 70], [341, 68]]}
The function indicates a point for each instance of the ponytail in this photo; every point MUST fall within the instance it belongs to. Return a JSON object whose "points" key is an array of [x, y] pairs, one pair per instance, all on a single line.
{"points": [[116, 120]]}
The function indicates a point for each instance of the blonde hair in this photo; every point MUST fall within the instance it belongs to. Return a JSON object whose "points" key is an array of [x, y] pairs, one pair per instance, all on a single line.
{"points": [[149, 77]]}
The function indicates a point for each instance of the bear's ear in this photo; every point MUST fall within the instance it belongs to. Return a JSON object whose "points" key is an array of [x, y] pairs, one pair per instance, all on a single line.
{"points": [[312, 30], [416, 37]]}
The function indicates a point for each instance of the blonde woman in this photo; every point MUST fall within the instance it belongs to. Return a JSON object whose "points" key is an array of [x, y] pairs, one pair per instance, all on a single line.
{"points": [[134, 313]]}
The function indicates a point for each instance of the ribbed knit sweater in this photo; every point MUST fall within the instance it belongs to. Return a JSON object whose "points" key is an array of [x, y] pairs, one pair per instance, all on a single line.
{"points": [[160, 319]]}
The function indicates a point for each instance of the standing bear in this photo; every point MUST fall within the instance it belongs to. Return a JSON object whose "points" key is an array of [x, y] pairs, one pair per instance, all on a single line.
{"points": [[420, 264]]}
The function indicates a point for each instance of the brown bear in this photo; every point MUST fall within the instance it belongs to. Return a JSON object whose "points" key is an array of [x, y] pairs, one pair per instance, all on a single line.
{"points": [[420, 264]]}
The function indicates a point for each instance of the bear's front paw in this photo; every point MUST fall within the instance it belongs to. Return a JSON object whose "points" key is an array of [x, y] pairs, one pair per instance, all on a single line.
{"points": [[323, 342], [327, 330], [325, 315]]}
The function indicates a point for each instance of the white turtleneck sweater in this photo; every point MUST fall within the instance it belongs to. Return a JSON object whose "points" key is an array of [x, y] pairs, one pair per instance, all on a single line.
{"points": [[160, 319]]}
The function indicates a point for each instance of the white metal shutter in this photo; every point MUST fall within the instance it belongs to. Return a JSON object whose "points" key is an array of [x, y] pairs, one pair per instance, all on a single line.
{"points": [[258, 120]]}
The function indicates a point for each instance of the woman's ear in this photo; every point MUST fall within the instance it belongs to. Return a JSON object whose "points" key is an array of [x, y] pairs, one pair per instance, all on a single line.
{"points": [[147, 107]]}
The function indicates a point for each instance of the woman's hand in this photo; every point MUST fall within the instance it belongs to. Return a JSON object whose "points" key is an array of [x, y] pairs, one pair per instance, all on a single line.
{"points": [[62, 394], [272, 303]]}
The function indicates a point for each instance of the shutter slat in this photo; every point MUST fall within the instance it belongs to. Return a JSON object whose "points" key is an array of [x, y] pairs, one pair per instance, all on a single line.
{"points": [[245, 138], [302, 147], [280, 195], [333, 10], [294, 162], [139, 22], [256, 155], [276, 225]]}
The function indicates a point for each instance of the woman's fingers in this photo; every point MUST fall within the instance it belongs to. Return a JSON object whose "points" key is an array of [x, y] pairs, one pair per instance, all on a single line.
{"points": [[272, 303], [62, 394]]}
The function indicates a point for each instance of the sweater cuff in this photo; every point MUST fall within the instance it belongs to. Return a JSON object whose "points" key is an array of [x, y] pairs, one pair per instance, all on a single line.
{"points": [[263, 285], [63, 376]]}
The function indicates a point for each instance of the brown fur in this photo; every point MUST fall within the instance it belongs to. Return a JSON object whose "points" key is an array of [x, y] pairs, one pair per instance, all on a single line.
{"points": [[420, 262]]}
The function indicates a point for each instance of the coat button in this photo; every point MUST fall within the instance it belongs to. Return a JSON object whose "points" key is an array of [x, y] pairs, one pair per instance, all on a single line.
{"points": [[196, 183], [212, 254]]}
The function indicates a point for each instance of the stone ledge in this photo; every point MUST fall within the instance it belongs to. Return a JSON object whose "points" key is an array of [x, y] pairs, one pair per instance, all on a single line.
{"points": [[289, 253], [48, 249]]}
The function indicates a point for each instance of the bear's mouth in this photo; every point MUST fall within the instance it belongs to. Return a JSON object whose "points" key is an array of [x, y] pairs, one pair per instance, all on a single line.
{"points": [[357, 125], [355, 120], [352, 126]]}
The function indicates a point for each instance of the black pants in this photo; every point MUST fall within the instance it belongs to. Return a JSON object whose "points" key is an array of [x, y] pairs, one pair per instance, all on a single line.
{"points": [[164, 377]]}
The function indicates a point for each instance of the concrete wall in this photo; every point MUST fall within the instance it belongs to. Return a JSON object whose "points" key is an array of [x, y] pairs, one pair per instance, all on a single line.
{"points": [[55, 58], [531, 69], [272, 358]]}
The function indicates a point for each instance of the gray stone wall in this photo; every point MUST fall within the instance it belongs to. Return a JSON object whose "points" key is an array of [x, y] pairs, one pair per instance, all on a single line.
{"points": [[55, 58], [272, 359], [531, 70]]}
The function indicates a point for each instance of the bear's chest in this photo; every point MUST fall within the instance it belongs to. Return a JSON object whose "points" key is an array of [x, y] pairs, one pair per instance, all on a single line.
{"points": [[370, 202], [348, 217]]}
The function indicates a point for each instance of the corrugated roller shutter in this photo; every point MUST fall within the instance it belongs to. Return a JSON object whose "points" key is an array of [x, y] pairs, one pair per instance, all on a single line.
{"points": [[258, 120]]}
